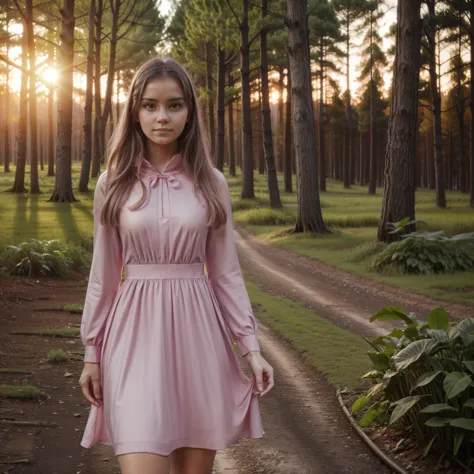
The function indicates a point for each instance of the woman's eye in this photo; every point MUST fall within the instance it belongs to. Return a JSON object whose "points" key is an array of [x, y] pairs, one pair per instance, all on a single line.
{"points": [[176, 106], [149, 106]]}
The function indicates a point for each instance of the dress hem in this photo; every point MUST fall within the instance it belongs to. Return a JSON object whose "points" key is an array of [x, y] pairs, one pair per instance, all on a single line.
{"points": [[151, 447]]}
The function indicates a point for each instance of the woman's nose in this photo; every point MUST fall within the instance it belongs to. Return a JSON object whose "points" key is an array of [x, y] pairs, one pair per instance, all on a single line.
{"points": [[162, 116]]}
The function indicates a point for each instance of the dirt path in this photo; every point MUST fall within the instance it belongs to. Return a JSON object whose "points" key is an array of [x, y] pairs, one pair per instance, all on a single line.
{"points": [[346, 299], [305, 430]]}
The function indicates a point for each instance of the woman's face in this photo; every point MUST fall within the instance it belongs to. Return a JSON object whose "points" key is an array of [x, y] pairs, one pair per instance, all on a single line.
{"points": [[163, 111]]}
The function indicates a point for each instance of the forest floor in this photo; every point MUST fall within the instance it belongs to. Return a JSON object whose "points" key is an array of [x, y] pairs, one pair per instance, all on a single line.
{"points": [[305, 431]]}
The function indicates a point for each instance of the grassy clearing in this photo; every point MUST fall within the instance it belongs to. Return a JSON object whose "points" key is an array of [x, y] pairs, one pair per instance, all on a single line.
{"points": [[57, 356], [353, 217], [21, 391], [351, 214], [335, 352], [60, 332], [12, 370]]}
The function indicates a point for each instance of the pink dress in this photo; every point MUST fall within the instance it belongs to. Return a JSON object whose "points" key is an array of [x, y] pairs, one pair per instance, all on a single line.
{"points": [[163, 337]]}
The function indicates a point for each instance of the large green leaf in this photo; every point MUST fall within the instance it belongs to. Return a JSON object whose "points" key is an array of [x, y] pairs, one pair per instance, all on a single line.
{"points": [[455, 383], [391, 313], [458, 439], [469, 403], [438, 319], [370, 416], [464, 423], [380, 360], [427, 378], [403, 406], [438, 408], [466, 330], [438, 421], [413, 352], [470, 365]]}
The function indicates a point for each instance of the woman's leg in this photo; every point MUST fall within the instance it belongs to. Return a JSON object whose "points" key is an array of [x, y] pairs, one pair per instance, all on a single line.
{"points": [[192, 461], [144, 463]]}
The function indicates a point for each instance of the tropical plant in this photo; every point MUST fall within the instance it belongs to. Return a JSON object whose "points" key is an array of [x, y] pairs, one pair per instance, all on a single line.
{"points": [[423, 380], [44, 258], [424, 253]]}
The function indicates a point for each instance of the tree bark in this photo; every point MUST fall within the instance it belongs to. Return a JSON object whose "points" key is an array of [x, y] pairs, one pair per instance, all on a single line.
{"points": [[247, 146], [210, 102], [19, 183], [99, 145], [373, 130], [322, 138], [274, 192], [63, 184], [471, 104], [436, 106], [231, 142], [87, 141], [310, 218], [288, 176], [347, 157], [399, 193], [220, 109]]}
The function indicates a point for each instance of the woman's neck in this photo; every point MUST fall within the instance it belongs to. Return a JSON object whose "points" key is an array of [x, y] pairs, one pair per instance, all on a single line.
{"points": [[159, 155]]}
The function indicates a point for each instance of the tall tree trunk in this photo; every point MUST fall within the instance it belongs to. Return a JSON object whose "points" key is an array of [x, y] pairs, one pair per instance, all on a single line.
{"points": [[310, 217], [436, 106], [50, 139], [322, 138], [87, 142], [274, 192], [471, 104], [6, 123], [231, 141], [247, 146], [288, 176], [63, 184], [210, 102], [346, 171], [220, 109], [280, 133], [373, 131], [99, 145], [19, 183], [399, 193], [110, 72], [33, 122]]}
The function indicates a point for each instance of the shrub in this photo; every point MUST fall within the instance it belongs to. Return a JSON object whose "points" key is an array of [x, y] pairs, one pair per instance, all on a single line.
{"points": [[44, 257], [364, 251], [423, 380], [425, 253]]}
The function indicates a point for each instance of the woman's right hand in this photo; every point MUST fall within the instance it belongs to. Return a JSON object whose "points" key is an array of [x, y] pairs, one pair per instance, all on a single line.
{"points": [[90, 383]]}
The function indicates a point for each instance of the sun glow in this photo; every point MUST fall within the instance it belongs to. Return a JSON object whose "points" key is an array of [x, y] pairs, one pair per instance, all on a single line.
{"points": [[50, 75]]}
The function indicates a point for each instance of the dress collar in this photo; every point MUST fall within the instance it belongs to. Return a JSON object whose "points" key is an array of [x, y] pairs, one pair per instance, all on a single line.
{"points": [[146, 170]]}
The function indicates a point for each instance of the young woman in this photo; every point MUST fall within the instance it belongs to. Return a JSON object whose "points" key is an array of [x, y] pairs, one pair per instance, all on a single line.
{"points": [[160, 370]]}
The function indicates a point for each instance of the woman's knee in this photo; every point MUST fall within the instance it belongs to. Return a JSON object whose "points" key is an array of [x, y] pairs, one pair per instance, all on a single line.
{"points": [[144, 463]]}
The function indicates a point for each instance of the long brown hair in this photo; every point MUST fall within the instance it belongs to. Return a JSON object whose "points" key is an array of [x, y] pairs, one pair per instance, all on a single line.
{"points": [[128, 141]]}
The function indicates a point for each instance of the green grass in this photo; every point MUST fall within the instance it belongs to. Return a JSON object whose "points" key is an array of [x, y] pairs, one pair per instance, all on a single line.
{"points": [[60, 332], [21, 391], [72, 308], [57, 356], [353, 217], [11, 370], [333, 351], [351, 214]]}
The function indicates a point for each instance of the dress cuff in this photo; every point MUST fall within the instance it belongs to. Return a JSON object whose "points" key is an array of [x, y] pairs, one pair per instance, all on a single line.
{"points": [[248, 343], [92, 354]]}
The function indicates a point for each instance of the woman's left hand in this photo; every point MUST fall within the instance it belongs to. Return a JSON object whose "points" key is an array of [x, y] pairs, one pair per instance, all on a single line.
{"points": [[262, 371]]}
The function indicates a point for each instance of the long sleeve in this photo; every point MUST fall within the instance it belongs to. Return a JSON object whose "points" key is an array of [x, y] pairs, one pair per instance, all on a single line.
{"points": [[225, 275], [104, 279]]}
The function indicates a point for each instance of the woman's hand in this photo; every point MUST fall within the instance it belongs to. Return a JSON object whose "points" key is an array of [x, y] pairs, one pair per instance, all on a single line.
{"points": [[262, 370], [90, 383]]}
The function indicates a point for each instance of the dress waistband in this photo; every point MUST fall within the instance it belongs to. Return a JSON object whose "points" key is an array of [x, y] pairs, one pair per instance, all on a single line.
{"points": [[159, 271]]}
